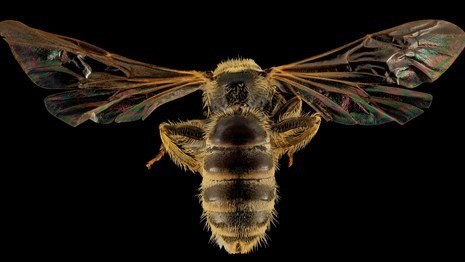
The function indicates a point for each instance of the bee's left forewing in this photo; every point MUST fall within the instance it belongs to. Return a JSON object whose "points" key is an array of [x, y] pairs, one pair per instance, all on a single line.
{"points": [[104, 87]]}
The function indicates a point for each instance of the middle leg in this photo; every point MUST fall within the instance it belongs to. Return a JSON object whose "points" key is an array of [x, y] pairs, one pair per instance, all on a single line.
{"points": [[292, 130]]}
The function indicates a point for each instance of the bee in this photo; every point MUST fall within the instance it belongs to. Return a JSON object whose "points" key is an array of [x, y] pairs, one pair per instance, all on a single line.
{"points": [[253, 116]]}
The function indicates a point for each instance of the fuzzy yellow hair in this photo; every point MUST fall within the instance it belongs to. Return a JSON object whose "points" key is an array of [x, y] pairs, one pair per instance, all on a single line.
{"points": [[236, 65]]}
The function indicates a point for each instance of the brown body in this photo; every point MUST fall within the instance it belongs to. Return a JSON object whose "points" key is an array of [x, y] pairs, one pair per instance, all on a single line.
{"points": [[254, 116], [238, 190], [236, 150]]}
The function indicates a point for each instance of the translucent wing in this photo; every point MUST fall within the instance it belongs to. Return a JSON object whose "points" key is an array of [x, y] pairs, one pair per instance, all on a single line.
{"points": [[104, 87], [368, 81]]}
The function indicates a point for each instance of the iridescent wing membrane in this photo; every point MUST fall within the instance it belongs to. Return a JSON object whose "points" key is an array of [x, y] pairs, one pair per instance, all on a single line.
{"points": [[103, 87], [368, 81]]}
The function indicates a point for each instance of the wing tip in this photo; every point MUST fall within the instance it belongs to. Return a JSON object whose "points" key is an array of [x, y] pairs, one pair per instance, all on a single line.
{"points": [[69, 121], [124, 118], [418, 113], [453, 26], [6, 25], [428, 101], [457, 31]]}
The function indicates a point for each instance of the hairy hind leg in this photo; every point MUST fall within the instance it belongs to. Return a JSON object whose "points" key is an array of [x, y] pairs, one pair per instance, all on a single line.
{"points": [[182, 141]]}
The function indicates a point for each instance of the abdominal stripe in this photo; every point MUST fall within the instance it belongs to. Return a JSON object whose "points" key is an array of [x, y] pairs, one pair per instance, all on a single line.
{"points": [[212, 149], [238, 161]]}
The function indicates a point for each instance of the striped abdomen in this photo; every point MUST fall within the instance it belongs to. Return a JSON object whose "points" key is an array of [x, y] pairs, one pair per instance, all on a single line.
{"points": [[238, 187]]}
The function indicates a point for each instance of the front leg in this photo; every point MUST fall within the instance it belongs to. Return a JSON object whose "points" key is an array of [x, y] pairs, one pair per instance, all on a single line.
{"points": [[183, 142]]}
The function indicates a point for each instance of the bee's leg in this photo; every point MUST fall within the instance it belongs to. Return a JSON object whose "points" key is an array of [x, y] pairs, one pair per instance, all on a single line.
{"points": [[277, 102], [292, 108], [182, 141], [289, 109], [292, 134], [157, 158]]}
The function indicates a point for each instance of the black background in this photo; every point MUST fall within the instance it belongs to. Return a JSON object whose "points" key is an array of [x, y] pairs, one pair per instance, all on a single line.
{"points": [[354, 192]]}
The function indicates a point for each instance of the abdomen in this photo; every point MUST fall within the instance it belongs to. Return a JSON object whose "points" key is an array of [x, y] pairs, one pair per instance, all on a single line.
{"points": [[238, 189]]}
